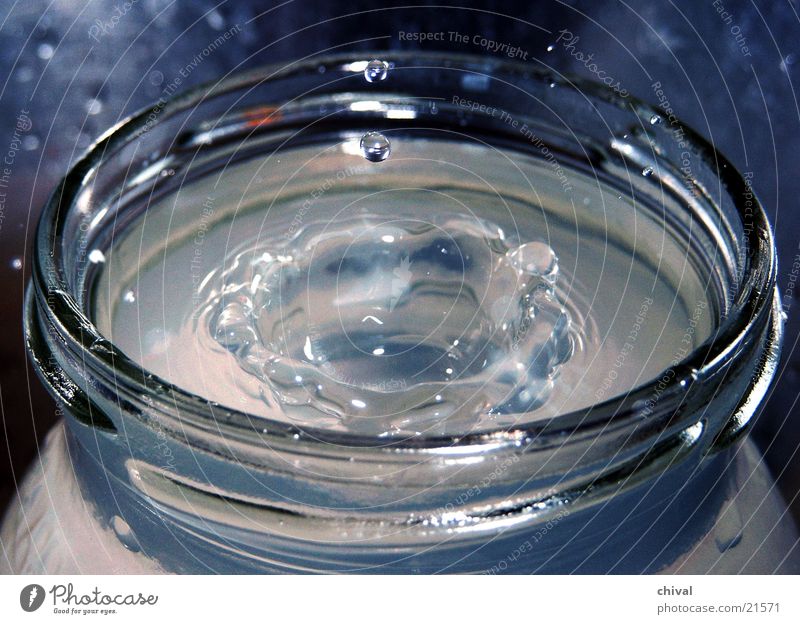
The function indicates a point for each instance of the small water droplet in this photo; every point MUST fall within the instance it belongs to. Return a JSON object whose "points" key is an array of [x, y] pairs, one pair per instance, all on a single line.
{"points": [[129, 297], [156, 78], [376, 70], [124, 533], [30, 142], [647, 171], [551, 47], [375, 146], [215, 20], [93, 106], [534, 258], [45, 51], [655, 119], [16, 263], [96, 256]]}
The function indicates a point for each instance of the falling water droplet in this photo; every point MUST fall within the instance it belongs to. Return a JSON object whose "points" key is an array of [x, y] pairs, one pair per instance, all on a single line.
{"points": [[375, 146], [647, 171], [16, 264], [376, 71], [655, 119], [123, 531]]}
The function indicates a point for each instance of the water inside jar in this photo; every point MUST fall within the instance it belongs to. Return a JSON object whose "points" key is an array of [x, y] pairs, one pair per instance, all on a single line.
{"points": [[451, 288]]}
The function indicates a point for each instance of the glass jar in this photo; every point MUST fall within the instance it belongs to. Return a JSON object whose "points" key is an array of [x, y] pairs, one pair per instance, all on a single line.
{"points": [[143, 475]]}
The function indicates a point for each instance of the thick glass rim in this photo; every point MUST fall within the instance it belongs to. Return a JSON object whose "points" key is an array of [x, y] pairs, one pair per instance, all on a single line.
{"points": [[750, 311]]}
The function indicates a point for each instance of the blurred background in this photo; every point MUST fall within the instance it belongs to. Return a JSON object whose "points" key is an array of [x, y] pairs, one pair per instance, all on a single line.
{"points": [[69, 69]]}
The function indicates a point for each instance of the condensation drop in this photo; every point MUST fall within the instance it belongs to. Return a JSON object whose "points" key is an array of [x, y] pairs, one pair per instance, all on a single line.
{"points": [[16, 264], [375, 147], [647, 171], [376, 70], [129, 297], [655, 119], [551, 47]]}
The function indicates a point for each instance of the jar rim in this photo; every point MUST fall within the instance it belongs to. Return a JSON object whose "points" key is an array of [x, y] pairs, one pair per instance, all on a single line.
{"points": [[52, 292]]}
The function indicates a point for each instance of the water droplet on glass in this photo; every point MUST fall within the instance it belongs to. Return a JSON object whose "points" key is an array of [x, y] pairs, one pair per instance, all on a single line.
{"points": [[215, 19], [124, 533], [129, 297], [93, 106], [375, 147], [655, 119], [16, 264], [647, 171], [156, 78], [45, 51], [30, 142], [551, 47], [376, 71]]}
